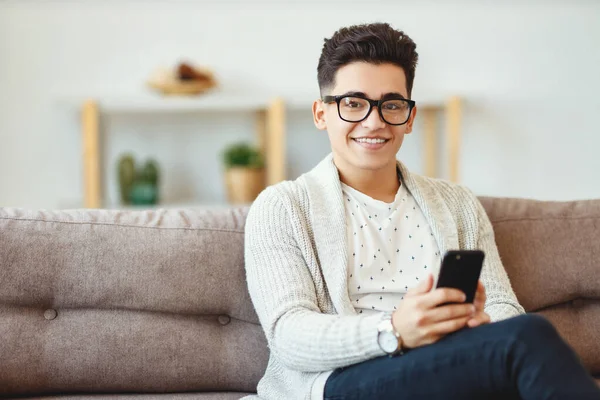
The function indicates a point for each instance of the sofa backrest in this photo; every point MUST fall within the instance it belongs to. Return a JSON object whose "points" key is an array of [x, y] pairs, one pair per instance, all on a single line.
{"points": [[153, 301], [109, 301], [551, 251]]}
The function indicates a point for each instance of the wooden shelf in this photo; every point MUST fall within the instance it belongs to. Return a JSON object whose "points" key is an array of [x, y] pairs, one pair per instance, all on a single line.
{"points": [[268, 113], [210, 102]]}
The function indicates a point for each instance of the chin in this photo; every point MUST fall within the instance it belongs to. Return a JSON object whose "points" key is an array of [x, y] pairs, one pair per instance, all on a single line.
{"points": [[371, 165], [374, 162], [365, 162]]}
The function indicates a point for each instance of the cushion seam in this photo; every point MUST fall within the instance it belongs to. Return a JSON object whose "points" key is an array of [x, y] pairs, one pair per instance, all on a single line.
{"points": [[120, 225], [594, 217]]}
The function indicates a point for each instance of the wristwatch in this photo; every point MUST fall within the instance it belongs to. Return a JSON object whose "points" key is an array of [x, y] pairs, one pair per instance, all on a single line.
{"points": [[388, 339]]}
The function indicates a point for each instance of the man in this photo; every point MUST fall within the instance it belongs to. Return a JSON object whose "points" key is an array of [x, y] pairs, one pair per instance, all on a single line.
{"points": [[343, 259]]}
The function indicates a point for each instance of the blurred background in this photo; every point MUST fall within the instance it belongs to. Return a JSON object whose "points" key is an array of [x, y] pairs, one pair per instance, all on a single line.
{"points": [[527, 73]]}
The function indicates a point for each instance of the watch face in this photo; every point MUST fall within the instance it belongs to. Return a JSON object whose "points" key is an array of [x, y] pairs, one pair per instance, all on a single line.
{"points": [[388, 342]]}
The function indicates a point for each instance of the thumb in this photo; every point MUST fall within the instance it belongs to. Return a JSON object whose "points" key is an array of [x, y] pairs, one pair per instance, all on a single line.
{"points": [[422, 287]]}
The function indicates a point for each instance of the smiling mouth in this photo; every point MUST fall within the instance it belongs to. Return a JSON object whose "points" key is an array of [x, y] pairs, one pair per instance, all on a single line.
{"points": [[370, 140]]}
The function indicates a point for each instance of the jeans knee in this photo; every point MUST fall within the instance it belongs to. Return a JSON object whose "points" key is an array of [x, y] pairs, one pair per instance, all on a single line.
{"points": [[534, 328]]}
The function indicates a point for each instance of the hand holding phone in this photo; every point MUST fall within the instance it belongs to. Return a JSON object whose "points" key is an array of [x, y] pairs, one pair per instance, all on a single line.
{"points": [[461, 270], [421, 320]]}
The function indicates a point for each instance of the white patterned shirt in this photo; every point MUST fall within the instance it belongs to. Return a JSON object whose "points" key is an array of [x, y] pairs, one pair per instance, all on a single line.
{"points": [[391, 248]]}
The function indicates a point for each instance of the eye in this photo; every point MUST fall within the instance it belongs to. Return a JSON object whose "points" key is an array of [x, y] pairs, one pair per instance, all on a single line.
{"points": [[395, 105], [390, 106], [353, 103]]}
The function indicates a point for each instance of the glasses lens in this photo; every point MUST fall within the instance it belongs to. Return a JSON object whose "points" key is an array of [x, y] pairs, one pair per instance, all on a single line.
{"points": [[353, 109], [395, 111]]}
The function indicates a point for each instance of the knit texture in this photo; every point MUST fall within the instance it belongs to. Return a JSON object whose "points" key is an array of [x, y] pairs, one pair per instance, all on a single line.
{"points": [[296, 268]]}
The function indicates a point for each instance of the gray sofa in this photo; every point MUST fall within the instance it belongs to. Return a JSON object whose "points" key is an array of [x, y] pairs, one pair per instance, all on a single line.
{"points": [[154, 303]]}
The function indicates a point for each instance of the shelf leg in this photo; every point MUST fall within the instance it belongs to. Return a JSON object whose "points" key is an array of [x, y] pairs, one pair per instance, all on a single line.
{"points": [[261, 131], [430, 142], [275, 143], [453, 121], [91, 154]]}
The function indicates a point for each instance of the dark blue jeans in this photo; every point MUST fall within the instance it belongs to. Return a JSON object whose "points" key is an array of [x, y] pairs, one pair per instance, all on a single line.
{"points": [[518, 358]]}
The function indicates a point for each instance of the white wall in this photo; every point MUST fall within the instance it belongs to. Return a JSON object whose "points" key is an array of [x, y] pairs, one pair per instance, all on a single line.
{"points": [[529, 71]]}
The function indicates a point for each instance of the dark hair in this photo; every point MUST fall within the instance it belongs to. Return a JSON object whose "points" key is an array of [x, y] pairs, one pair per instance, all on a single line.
{"points": [[376, 43]]}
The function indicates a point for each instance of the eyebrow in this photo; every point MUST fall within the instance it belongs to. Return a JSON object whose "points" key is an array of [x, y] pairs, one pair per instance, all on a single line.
{"points": [[390, 95]]}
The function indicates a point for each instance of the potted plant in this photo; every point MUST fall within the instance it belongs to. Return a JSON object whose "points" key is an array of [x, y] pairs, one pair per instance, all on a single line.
{"points": [[138, 186], [244, 173]]}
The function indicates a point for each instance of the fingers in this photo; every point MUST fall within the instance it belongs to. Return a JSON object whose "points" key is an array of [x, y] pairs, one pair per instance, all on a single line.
{"points": [[421, 288], [479, 303], [480, 318], [449, 312], [480, 290], [446, 327], [442, 295], [480, 287], [480, 297]]}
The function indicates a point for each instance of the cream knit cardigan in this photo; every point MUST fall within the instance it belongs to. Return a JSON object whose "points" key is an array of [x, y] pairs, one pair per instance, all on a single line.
{"points": [[296, 269]]}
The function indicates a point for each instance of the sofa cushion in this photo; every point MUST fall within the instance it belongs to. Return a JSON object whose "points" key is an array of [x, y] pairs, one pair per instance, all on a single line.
{"points": [[551, 251], [117, 302]]}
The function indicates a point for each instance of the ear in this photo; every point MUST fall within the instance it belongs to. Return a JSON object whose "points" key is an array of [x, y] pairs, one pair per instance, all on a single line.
{"points": [[318, 110], [411, 120]]}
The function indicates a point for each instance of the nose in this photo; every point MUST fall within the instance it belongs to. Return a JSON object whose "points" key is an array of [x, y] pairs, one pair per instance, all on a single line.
{"points": [[373, 121]]}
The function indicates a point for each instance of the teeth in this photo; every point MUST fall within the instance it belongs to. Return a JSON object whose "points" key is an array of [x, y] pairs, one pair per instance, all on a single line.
{"points": [[371, 141]]}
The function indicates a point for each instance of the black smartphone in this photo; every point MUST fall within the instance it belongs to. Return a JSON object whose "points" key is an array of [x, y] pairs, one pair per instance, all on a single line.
{"points": [[460, 270]]}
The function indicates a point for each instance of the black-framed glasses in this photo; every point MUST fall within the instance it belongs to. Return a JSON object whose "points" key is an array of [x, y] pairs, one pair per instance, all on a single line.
{"points": [[353, 108]]}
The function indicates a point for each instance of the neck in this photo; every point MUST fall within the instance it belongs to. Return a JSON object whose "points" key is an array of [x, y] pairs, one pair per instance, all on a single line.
{"points": [[380, 184]]}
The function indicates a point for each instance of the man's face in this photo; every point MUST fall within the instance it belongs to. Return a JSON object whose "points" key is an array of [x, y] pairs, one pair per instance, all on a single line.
{"points": [[349, 147]]}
